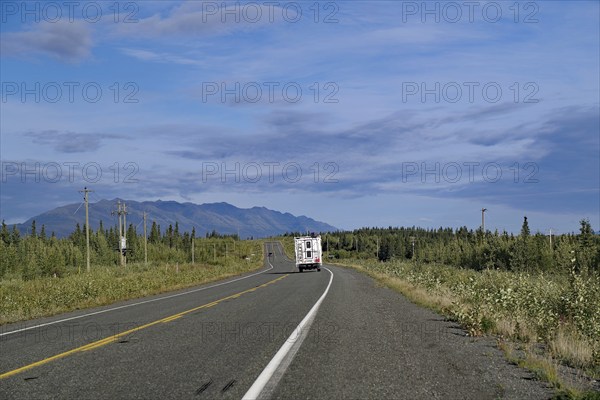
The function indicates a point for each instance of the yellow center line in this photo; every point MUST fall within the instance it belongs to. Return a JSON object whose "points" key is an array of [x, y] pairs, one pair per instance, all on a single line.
{"points": [[110, 339]]}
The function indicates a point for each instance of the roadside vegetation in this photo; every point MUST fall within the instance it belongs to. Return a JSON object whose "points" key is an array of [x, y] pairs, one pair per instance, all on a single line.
{"points": [[43, 275], [541, 299]]}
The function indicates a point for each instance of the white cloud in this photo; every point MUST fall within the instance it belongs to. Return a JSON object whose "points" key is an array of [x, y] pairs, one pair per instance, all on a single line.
{"points": [[162, 57], [206, 18], [64, 40]]}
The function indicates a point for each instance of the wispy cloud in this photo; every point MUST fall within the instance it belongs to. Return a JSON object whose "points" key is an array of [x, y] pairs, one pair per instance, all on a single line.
{"points": [[371, 134], [162, 57], [205, 19], [70, 142], [63, 40]]}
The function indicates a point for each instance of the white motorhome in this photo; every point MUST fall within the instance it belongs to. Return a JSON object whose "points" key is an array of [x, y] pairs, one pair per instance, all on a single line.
{"points": [[309, 254]]}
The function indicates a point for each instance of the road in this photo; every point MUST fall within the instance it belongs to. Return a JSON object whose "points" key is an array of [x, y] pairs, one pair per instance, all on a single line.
{"points": [[240, 337]]}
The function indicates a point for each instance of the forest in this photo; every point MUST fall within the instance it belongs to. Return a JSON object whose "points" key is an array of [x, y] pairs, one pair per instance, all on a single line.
{"points": [[39, 254], [472, 249]]}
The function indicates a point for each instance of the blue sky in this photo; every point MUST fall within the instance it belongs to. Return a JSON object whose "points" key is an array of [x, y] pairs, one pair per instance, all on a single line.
{"points": [[355, 113]]}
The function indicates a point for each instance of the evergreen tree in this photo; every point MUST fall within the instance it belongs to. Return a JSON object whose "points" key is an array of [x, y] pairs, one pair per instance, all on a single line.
{"points": [[586, 252], [520, 260], [4, 234], [525, 228], [154, 234], [133, 252], [176, 236], [100, 230], [169, 236], [33, 230], [15, 236], [77, 237]]}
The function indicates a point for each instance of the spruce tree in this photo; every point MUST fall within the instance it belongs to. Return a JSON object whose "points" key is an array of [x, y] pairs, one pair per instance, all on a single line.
{"points": [[33, 230], [585, 251], [43, 233], [4, 234]]}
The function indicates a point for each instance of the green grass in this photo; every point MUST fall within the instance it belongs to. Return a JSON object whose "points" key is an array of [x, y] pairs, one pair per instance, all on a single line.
{"points": [[27, 299]]}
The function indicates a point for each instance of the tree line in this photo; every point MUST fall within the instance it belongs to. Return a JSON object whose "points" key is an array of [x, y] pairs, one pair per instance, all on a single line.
{"points": [[38, 254], [474, 249]]}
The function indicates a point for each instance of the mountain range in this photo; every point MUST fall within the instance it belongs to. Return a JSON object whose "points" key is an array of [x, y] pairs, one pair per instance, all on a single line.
{"points": [[223, 218]]}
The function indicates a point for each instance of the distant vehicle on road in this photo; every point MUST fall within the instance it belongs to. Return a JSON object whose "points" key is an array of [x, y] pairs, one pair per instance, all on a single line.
{"points": [[309, 254]]}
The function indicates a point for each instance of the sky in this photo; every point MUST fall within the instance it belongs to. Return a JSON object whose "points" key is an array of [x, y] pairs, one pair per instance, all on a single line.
{"points": [[355, 113]]}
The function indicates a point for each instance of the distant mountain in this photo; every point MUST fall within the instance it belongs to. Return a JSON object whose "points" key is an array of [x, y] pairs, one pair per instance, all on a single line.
{"points": [[221, 217]]}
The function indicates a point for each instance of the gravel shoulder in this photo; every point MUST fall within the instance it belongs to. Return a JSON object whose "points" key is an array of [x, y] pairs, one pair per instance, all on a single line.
{"points": [[371, 342]]}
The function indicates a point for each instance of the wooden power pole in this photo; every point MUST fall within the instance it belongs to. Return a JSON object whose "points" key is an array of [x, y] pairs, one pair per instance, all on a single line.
{"points": [[145, 215], [121, 211], [124, 233], [483, 210], [85, 192]]}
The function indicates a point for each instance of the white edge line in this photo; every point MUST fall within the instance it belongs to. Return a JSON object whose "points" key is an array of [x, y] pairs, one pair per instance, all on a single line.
{"points": [[259, 384], [135, 304]]}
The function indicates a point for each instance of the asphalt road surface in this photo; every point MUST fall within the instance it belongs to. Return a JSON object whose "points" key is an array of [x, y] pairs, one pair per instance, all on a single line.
{"points": [[333, 334]]}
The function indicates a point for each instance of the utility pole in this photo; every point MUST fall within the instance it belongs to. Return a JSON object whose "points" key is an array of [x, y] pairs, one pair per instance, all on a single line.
{"points": [[193, 240], [121, 246], [377, 247], [125, 232], [550, 238], [85, 192], [145, 215], [412, 238], [483, 210]]}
